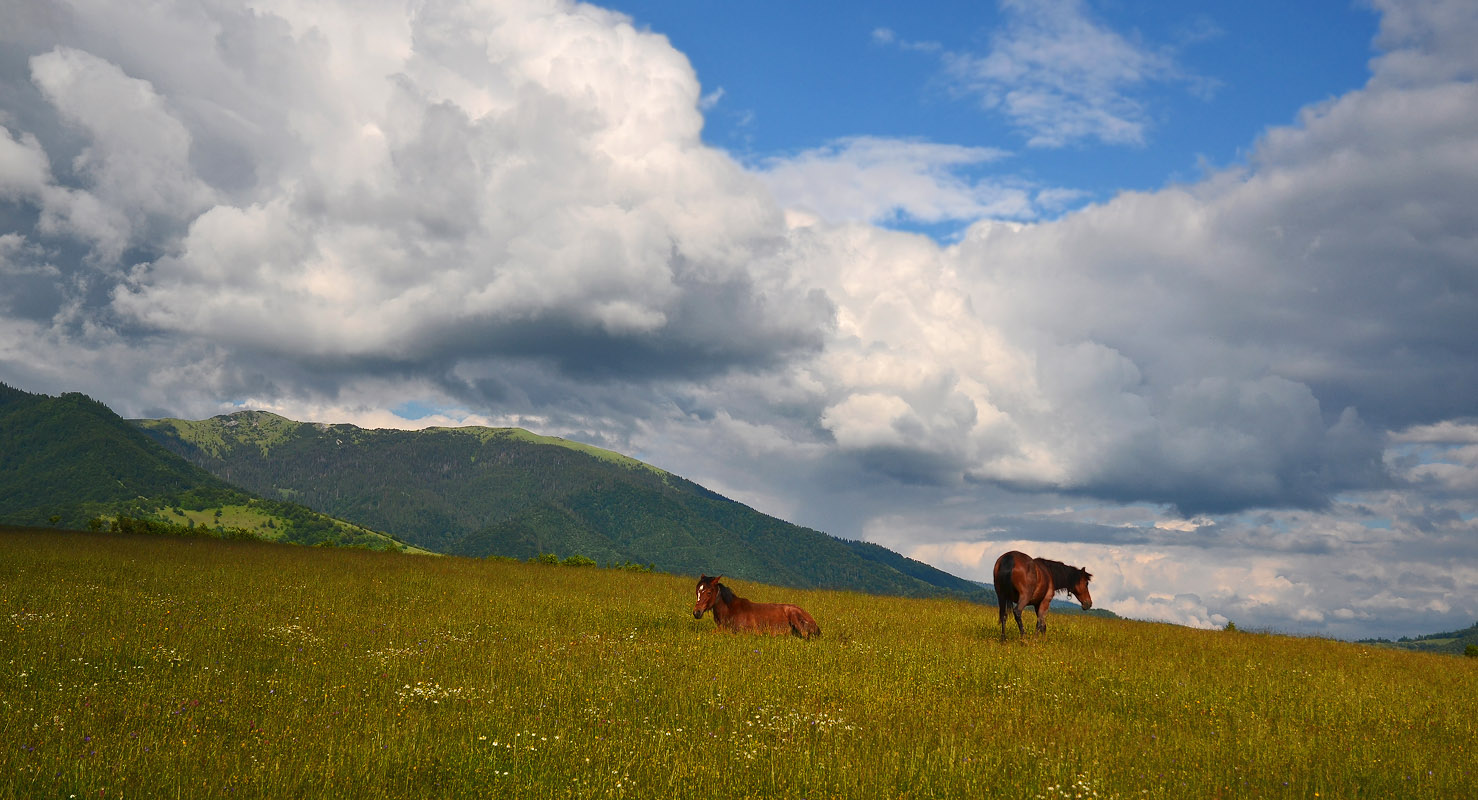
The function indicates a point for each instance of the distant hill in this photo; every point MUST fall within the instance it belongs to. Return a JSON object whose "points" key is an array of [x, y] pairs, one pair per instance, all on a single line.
{"points": [[69, 459], [505, 491], [1450, 642]]}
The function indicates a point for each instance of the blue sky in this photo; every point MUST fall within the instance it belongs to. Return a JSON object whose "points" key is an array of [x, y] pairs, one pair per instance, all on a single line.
{"points": [[1196, 305], [794, 76]]}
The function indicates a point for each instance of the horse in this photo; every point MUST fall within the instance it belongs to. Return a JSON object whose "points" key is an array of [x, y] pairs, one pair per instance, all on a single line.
{"points": [[1025, 581], [737, 614]]}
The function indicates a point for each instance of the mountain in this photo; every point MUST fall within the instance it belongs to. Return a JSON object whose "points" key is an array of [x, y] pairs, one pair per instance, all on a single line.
{"points": [[1449, 642], [505, 491], [67, 460], [63, 458]]}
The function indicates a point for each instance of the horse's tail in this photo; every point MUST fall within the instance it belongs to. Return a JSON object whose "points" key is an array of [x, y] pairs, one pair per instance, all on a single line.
{"points": [[801, 623], [1004, 565], [1002, 575]]}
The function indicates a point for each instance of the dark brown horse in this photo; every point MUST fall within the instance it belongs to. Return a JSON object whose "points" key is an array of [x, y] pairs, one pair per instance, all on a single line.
{"points": [[1025, 581], [737, 614]]}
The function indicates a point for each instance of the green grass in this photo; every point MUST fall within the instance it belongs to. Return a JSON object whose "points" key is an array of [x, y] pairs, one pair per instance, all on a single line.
{"points": [[245, 517], [259, 521], [158, 667], [263, 429]]}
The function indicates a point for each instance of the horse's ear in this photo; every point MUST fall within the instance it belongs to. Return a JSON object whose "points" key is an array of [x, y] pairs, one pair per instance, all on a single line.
{"points": [[702, 578], [718, 578]]}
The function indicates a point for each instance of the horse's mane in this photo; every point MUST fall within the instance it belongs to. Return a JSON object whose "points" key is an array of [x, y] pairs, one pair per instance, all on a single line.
{"points": [[726, 593], [1063, 576]]}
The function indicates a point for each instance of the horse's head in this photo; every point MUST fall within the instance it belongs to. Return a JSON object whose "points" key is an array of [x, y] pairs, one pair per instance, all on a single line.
{"points": [[707, 595], [1079, 589]]}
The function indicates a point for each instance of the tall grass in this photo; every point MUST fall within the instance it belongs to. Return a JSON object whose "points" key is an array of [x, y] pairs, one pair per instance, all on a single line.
{"points": [[143, 667]]}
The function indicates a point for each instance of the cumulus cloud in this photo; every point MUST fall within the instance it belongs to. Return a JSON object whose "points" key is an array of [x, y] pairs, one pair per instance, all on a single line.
{"points": [[137, 158], [449, 182], [928, 361], [1239, 342]]}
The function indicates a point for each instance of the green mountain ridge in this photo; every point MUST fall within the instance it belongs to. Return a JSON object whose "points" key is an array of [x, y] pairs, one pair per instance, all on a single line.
{"points": [[1448, 642], [68, 460], [479, 491]]}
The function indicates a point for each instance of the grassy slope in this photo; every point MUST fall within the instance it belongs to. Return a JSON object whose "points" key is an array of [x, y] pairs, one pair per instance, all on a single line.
{"points": [[160, 667], [480, 491]]}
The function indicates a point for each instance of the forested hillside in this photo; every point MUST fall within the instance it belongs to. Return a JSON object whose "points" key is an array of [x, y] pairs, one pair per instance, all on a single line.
{"points": [[1449, 642], [486, 491], [63, 459], [67, 460]]}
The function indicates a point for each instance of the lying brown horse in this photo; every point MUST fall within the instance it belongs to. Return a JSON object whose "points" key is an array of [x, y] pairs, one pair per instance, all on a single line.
{"points": [[737, 614], [1025, 581]]}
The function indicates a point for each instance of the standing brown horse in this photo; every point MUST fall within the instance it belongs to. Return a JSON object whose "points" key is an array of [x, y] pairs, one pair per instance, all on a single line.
{"points": [[1025, 581], [737, 614]]}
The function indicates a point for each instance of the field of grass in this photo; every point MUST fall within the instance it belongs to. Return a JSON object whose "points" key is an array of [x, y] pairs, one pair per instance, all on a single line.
{"points": [[135, 666]]}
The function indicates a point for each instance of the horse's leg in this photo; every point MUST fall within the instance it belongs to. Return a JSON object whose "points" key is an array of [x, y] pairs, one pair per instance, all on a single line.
{"points": [[1001, 601], [1016, 609], [1042, 615]]}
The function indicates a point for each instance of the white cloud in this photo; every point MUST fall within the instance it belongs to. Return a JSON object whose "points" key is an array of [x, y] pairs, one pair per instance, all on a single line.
{"points": [[1062, 77], [544, 158], [1245, 574], [709, 101], [24, 169], [1181, 609], [138, 159], [1444, 432], [1425, 42], [887, 37], [867, 179]]}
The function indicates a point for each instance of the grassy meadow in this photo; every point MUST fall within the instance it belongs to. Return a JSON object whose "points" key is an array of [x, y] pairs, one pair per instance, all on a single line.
{"points": [[135, 666]]}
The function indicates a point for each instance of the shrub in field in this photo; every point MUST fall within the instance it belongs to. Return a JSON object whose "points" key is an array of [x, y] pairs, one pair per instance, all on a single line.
{"points": [[1471, 651], [575, 560]]}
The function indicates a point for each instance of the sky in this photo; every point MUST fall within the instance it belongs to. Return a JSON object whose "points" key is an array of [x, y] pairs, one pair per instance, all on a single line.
{"points": [[1186, 294]]}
